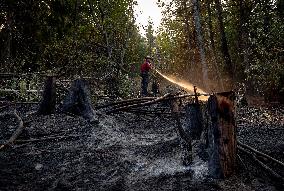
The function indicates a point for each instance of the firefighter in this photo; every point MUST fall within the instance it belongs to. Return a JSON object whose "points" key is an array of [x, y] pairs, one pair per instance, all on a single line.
{"points": [[145, 68]]}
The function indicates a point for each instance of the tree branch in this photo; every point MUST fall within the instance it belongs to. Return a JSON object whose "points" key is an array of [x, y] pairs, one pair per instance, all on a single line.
{"points": [[17, 132]]}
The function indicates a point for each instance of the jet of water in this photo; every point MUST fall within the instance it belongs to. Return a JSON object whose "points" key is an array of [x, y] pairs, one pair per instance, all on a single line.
{"points": [[189, 87]]}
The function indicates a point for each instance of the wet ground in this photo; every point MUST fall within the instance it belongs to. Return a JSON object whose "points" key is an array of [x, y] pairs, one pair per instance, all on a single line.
{"points": [[125, 152]]}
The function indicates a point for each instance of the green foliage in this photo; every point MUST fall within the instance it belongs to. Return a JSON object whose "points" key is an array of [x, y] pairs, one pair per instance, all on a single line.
{"points": [[255, 37], [87, 37], [125, 86], [150, 37], [100, 39]]}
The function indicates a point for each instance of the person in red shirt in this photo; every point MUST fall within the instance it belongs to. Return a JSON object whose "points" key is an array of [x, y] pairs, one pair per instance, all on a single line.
{"points": [[145, 68]]}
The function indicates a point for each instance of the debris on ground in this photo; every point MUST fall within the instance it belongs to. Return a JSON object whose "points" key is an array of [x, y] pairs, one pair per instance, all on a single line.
{"points": [[125, 151]]}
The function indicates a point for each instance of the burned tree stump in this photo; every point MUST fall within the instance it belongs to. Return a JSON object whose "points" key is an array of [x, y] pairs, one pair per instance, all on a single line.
{"points": [[194, 120], [222, 136], [78, 101], [47, 105]]}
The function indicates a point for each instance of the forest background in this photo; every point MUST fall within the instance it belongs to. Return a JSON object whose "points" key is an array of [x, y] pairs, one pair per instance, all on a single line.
{"points": [[217, 44]]}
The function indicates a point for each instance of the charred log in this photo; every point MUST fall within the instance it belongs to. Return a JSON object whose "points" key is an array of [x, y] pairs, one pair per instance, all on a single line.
{"points": [[272, 173], [253, 150], [17, 132], [125, 102], [53, 138], [135, 105]]}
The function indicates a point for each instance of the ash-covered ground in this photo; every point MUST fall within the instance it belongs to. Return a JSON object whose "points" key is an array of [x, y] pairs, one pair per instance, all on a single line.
{"points": [[125, 152]]}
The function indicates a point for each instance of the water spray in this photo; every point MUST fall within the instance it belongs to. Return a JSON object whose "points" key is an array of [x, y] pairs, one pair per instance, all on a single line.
{"points": [[183, 84]]}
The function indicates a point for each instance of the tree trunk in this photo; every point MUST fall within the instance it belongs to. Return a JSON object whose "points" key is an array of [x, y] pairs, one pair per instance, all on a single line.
{"points": [[47, 105], [211, 34], [212, 44], [198, 30], [189, 38], [224, 43], [6, 56], [78, 101], [266, 19], [243, 40], [222, 136]]}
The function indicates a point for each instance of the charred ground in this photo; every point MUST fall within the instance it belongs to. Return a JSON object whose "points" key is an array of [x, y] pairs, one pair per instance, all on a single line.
{"points": [[127, 151]]}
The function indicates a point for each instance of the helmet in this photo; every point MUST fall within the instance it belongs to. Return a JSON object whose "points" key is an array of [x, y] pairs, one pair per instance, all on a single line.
{"points": [[148, 57]]}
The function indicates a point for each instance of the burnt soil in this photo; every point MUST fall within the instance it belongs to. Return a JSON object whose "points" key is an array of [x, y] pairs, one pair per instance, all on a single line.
{"points": [[127, 152]]}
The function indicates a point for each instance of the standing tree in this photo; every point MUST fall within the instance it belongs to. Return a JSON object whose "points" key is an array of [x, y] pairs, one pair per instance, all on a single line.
{"points": [[196, 10], [224, 43], [150, 37]]}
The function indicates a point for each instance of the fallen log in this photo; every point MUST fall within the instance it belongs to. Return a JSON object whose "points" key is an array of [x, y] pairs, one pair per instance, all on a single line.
{"points": [[264, 166], [48, 139], [154, 109], [17, 132], [27, 103], [129, 103], [4, 107], [18, 91], [147, 99], [8, 75], [151, 112], [11, 75], [261, 154], [189, 95], [125, 101], [241, 160], [139, 104]]}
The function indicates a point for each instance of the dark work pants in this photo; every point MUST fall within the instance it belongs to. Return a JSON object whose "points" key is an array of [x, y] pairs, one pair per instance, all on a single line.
{"points": [[144, 83]]}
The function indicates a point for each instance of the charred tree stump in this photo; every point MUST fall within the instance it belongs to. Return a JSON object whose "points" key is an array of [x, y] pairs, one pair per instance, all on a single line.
{"points": [[78, 101], [47, 105], [222, 136], [186, 140]]}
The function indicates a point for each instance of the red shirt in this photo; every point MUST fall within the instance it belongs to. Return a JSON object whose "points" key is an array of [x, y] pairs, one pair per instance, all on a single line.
{"points": [[145, 67]]}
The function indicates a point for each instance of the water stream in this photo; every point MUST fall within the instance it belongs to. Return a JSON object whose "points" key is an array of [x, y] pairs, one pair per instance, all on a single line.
{"points": [[189, 87]]}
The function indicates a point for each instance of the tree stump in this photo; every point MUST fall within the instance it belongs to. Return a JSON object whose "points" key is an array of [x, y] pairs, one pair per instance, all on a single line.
{"points": [[78, 101], [222, 136], [48, 103], [194, 120]]}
